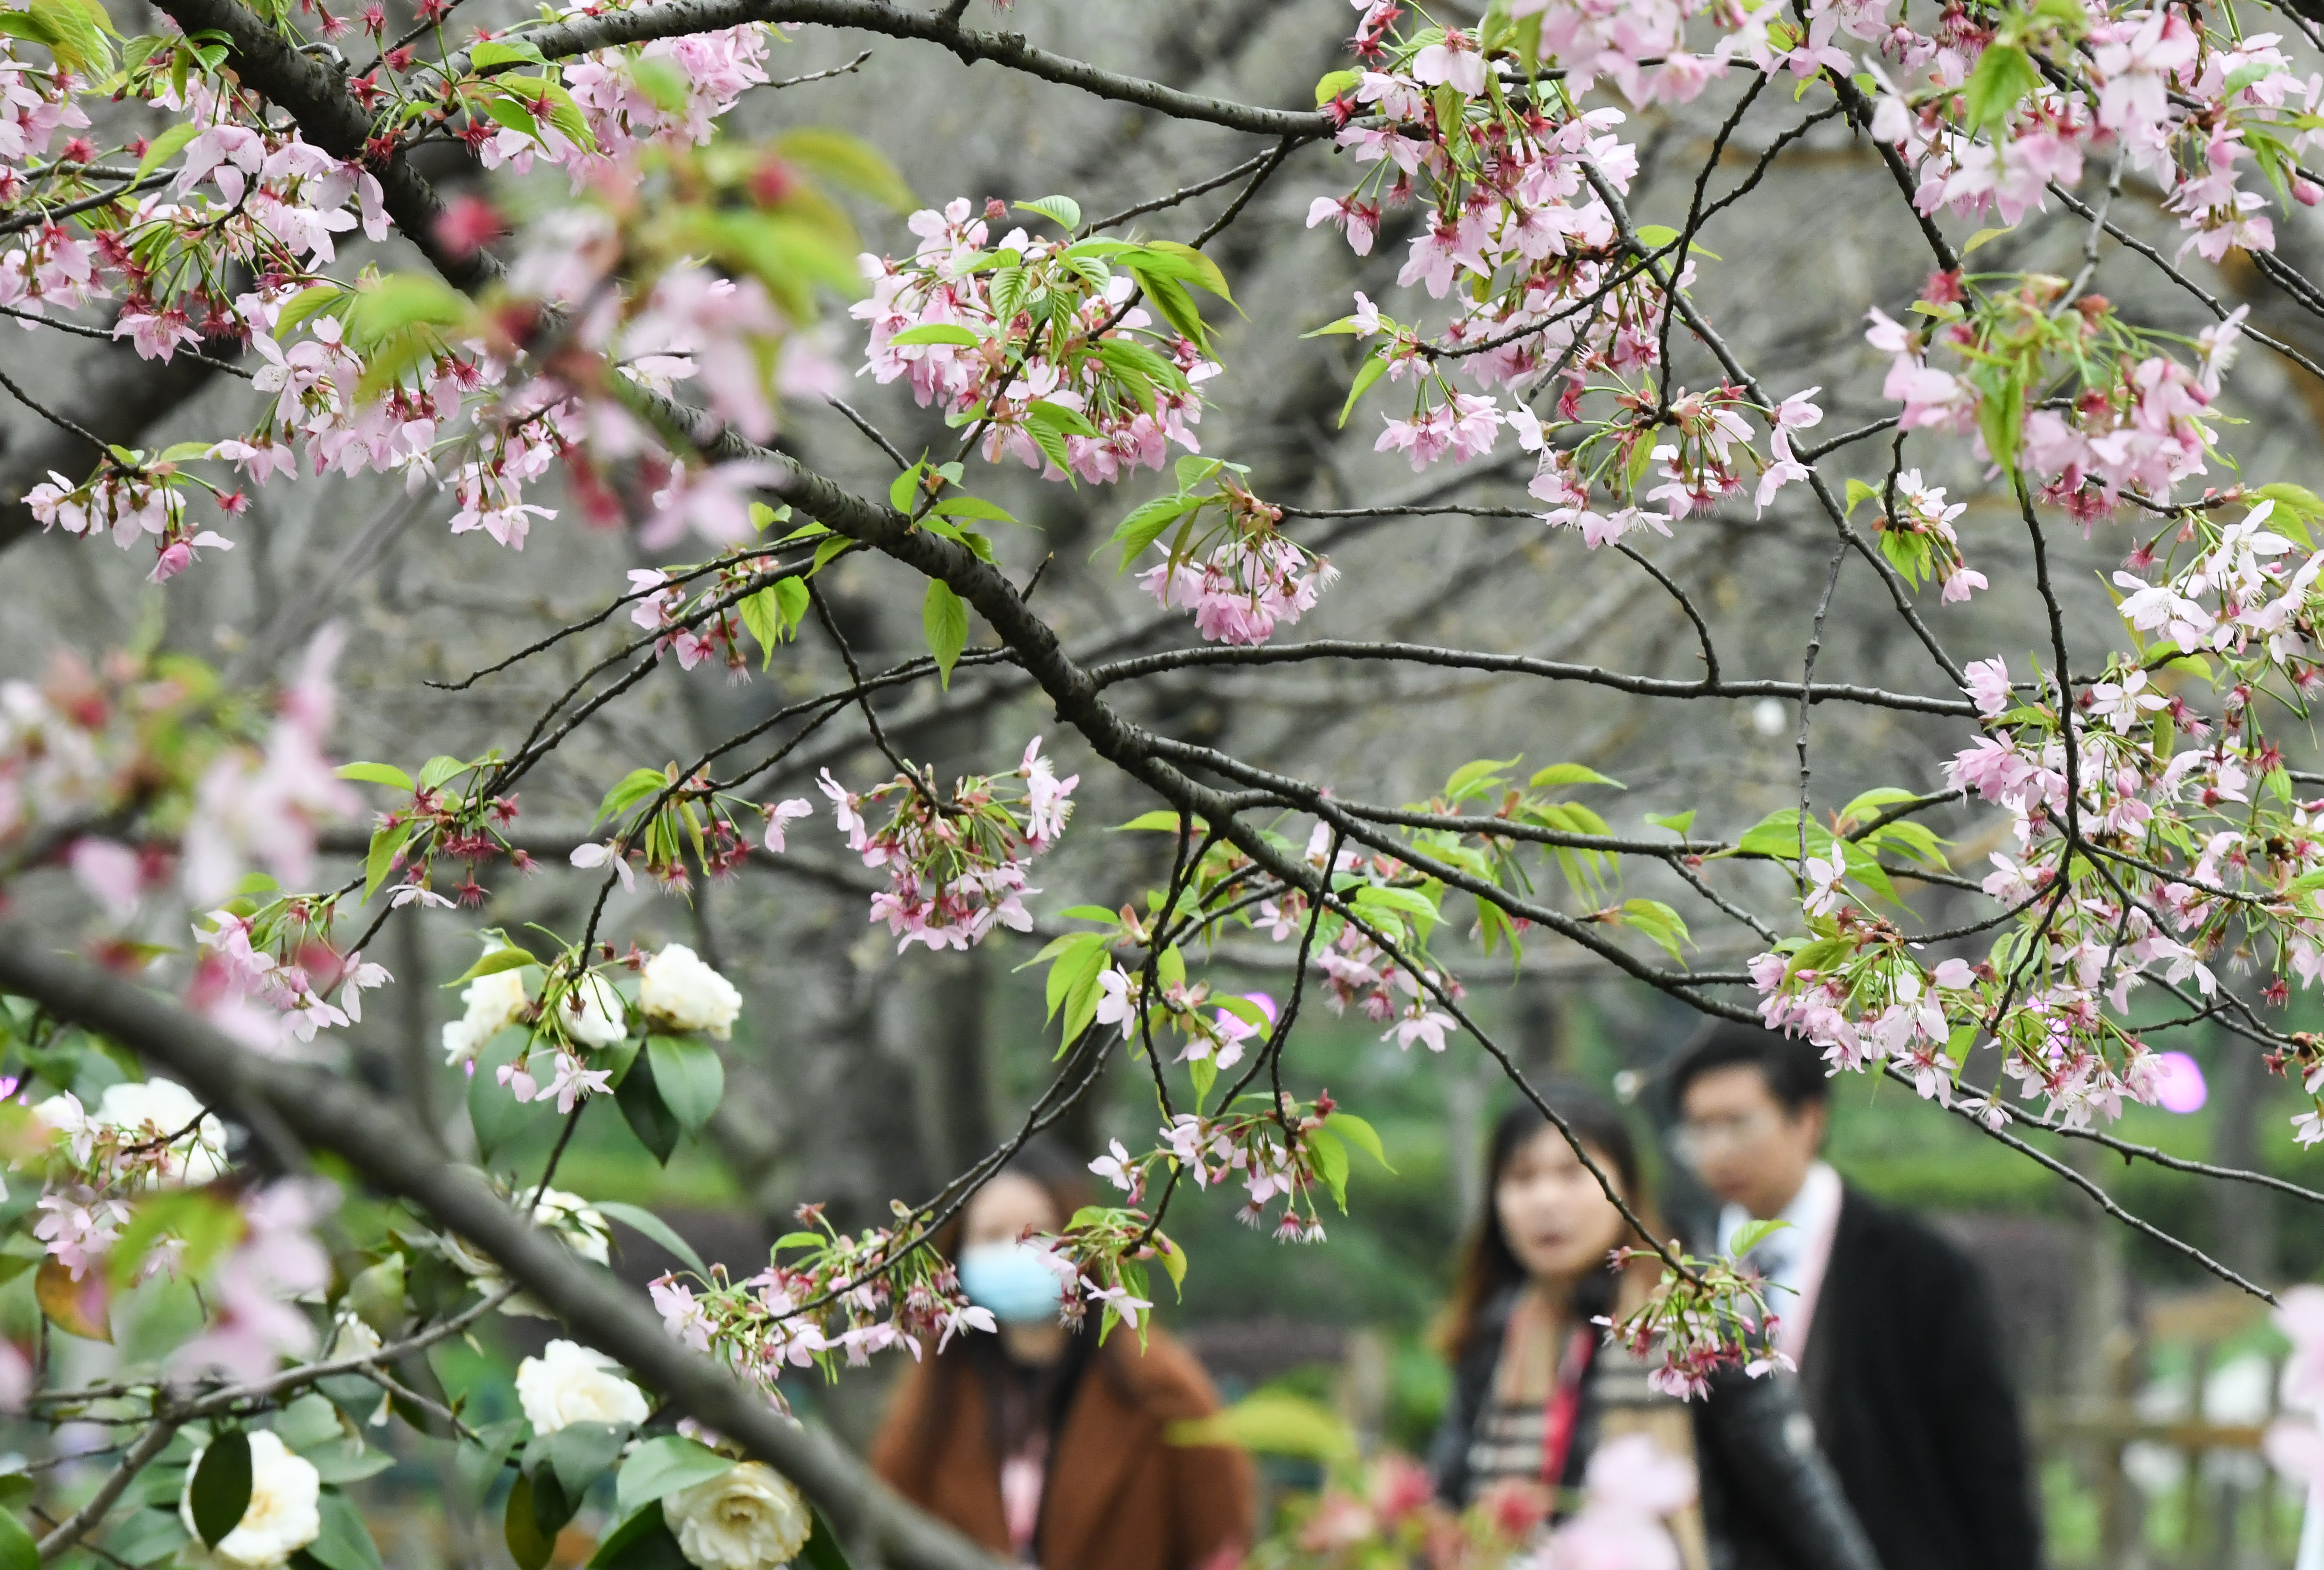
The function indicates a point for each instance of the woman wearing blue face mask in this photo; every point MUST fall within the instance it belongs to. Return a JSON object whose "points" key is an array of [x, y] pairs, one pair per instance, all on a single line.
{"points": [[1039, 1443]]}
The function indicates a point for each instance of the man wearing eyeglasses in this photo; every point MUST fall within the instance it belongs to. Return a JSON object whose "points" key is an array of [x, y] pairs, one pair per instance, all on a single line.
{"points": [[1900, 1356]]}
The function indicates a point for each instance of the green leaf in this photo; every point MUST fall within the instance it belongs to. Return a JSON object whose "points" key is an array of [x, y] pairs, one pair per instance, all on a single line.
{"points": [[1657, 921], [634, 787], [944, 619], [1752, 1233], [492, 962], [1171, 301], [1328, 87], [1145, 523], [528, 1544], [577, 1455], [1369, 372], [304, 304], [1064, 211], [17, 1549], [1982, 236], [166, 146], [1358, 1134], [689, 1076], [637, 1218], [1075, 961], [403, 300], [1193, 266], [1159, 818], [1679, 823], [220, 1492], [1471, 778], [439, 771], [641, 1542], [664, 1465], [496, 1116], [140, 1537], [2005, 73], [960, 506], [1330, 1159], [503, 52], [376, 774], [1777, 834], [379, 861], [1272, 1422], [640, 1099], [345, 1542], [936, 332], [846, 161], [762, 618], [822, 1550]]}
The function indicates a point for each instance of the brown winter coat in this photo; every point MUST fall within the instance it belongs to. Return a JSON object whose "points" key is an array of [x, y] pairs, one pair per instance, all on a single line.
{"points": [[1119, 1495]]}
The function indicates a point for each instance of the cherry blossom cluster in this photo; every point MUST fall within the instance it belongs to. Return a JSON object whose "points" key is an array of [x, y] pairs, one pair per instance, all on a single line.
{"points": [[2058, 383], [1701, 1318], [1272, 1148], [825, 1300], [1518, 187], [1991, 117], [124, 774], [2149, 840], [956, 864], [236, 245], [1241, 575], [1040, 345]]}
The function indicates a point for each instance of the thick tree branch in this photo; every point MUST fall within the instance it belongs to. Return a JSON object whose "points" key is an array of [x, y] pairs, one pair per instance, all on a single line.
{"points": [[382, 1143], [676, 18]]}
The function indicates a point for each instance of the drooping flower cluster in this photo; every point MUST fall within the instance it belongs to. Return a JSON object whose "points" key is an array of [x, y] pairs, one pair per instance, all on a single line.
{"points": [[1523, 200], [1241, 576], [956, 865]]}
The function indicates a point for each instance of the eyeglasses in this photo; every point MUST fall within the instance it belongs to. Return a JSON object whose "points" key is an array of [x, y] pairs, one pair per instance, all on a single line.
{"points": [[1692, 1140]]}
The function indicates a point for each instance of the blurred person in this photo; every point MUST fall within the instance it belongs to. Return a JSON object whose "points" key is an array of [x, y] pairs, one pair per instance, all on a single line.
{"points": [[1042, 1445], [1538, 1389], [1901, 1366]]}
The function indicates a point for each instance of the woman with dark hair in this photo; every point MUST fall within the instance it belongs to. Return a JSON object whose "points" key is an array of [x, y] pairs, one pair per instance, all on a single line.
{"points": [[1044, 1445], [1539, 1389]]}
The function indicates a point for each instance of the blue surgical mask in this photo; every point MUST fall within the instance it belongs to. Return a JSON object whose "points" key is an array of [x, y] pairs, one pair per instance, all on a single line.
{"points": [[1011, 1279]]}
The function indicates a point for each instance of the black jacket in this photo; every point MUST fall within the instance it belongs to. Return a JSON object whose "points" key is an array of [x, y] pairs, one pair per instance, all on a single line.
{"points": [[1905, 1379], [1769, 1500]]}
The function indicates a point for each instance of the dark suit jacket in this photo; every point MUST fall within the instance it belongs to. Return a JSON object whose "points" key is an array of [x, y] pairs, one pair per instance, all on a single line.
{"points": [[1913, 1400]]}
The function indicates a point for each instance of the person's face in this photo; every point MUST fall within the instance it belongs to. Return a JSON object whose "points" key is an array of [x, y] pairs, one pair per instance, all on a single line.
{"points": [[1558, 1222], [1004, 1209], [1743, 1144]]}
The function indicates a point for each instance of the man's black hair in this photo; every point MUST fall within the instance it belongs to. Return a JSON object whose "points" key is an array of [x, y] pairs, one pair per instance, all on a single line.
{"points": [[1792, 1069]]}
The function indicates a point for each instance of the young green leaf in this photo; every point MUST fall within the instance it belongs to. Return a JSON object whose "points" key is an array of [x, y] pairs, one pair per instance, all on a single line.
{"points": [[944, 619]]}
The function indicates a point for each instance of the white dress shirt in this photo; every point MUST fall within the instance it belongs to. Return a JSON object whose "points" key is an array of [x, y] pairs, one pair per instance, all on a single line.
{"points": [[1792, 1258]]}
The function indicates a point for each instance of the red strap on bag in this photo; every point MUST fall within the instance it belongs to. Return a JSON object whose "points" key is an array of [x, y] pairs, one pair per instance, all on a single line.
{"points": [[1563, 1408]]}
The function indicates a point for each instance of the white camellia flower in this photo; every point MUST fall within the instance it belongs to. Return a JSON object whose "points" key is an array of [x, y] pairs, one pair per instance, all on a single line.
{"points": [[579, 1223], [593, 1014], [570, 1383], [682, 992], [748, 1518], [282, 1517], [493, 1000]]}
